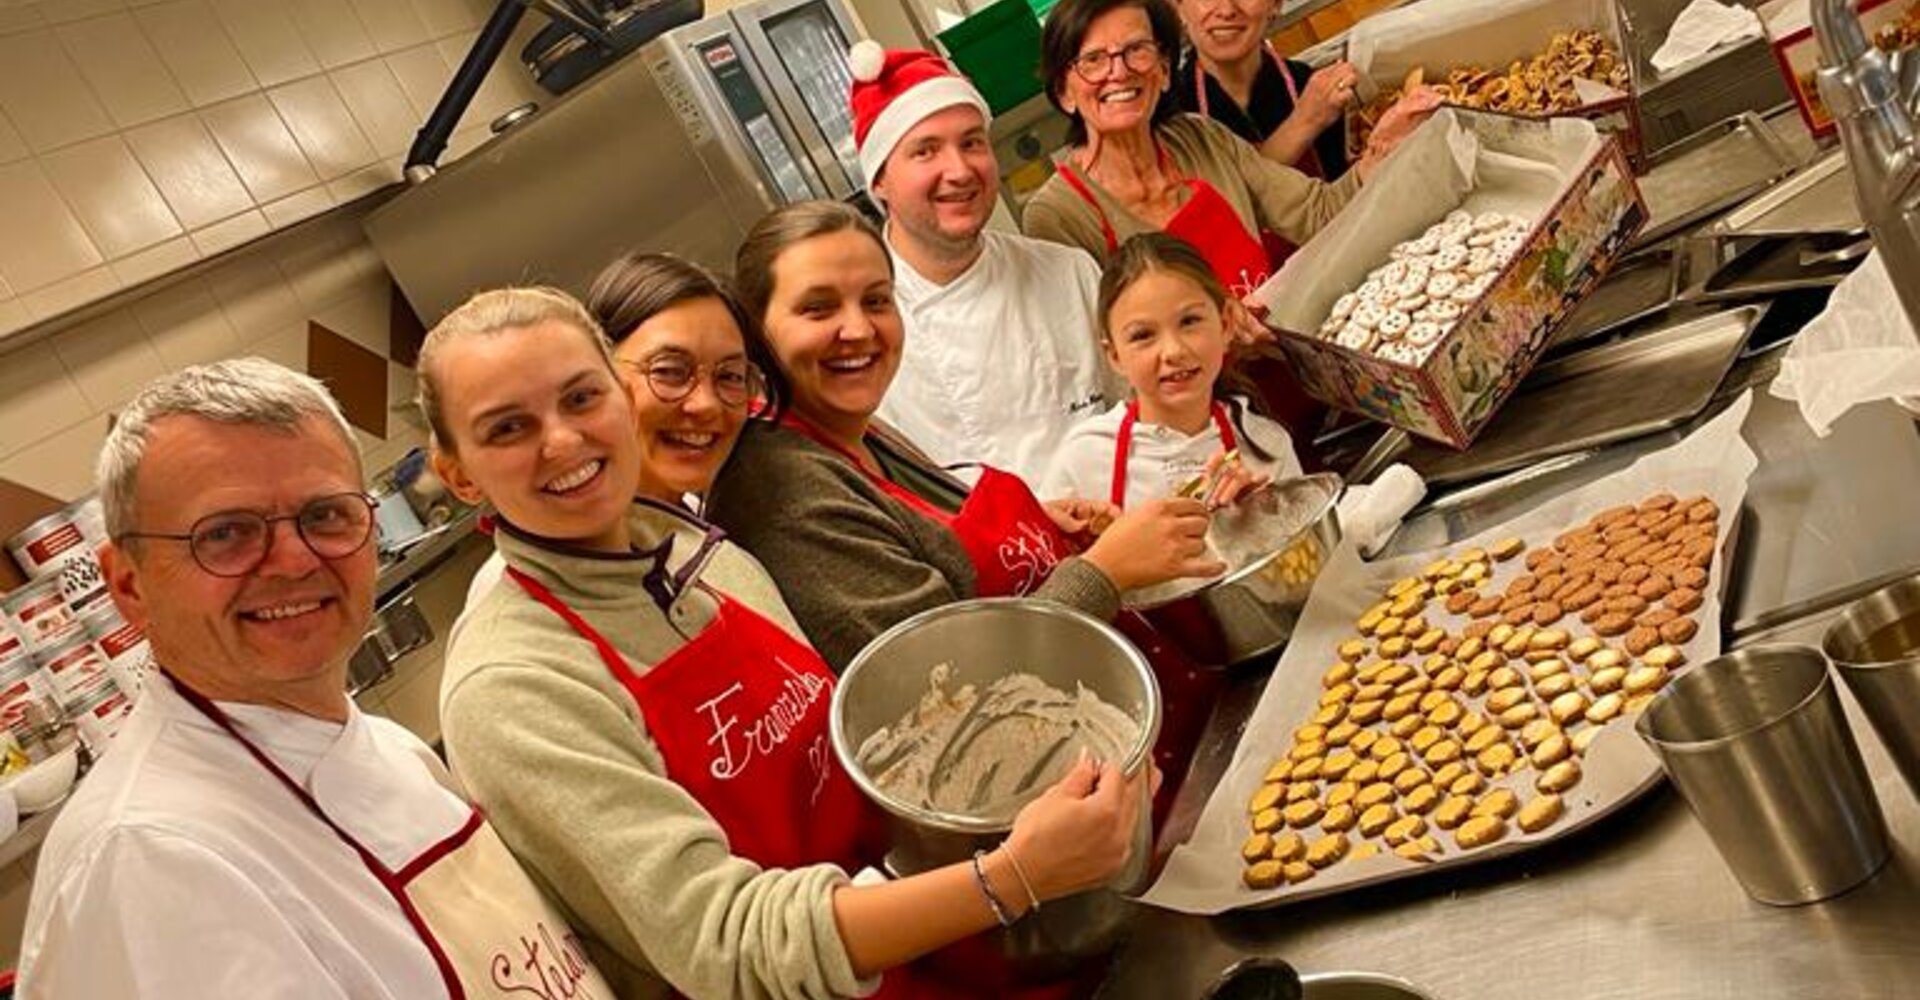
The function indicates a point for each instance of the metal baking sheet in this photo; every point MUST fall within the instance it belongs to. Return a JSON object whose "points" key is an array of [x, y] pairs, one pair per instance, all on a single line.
{"points": [[1728, 269], [1704, 174], [1203, 874], [1817, 199], [1636, 386], [1637, 287]]}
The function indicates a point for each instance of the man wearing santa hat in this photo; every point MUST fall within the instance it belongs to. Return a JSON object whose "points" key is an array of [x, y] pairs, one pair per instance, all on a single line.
{"points": [[1002, 349]]}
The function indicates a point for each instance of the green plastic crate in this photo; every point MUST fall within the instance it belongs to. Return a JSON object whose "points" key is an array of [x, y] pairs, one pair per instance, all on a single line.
{"points": [[999, 50]]}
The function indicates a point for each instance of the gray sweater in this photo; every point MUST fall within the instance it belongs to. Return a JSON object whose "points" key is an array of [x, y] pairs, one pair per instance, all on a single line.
{"points": [[557, 753], [851, 560]]}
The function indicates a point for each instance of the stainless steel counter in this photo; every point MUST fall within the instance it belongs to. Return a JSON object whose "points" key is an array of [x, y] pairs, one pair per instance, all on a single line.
{"points": [[1638, 906]]}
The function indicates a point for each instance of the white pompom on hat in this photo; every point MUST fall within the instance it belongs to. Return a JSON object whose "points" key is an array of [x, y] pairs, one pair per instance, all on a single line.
{"points": [[895, 90]]}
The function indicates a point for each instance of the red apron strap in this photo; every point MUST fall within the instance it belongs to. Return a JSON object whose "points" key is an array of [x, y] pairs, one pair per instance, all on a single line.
{"points": [[1079, 186], [1220, 423], [1122, 448], [387, 879], [608, 655]]}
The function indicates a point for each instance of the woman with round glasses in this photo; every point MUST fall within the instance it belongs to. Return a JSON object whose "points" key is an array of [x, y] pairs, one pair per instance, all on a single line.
{"points": [[633, 704], [1138, 165]]}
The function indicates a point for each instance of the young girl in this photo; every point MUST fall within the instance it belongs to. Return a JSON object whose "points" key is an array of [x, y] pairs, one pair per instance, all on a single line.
{"points": [[1165, 316]]}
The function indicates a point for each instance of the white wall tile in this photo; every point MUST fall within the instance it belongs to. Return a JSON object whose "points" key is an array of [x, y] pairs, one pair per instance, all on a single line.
{"points": [[61, 465], [192, 174], [230, 233], [256, 296], [446, 17], [108, 358], [423, 75], [287, 346], [197, 49], [377, 103], [295, 208], [267, 40], [113, 197], [14, 316], [260, 148], [65, 11], [155, 261], [44, 242], [12, 147], [16, 18], [43, 93], [126, 73], [186, 326], [362, 182], [323, 127], [393, 24], [361, 318], [37, 399], [333, 31], [71, 293], [328, 270]]}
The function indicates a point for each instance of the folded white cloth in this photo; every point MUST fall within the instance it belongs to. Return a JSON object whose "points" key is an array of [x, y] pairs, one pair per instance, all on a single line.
{"points": [[1370, 514], [1704, 26], [1861, 348]]}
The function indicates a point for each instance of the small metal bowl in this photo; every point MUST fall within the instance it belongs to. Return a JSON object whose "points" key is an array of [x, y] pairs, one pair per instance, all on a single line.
{"points": [[1875, 647], [1251, 610]]}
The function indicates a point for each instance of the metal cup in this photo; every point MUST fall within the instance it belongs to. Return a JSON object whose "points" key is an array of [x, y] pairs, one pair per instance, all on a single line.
{"points": [[1875, 645], [1758, 746]]}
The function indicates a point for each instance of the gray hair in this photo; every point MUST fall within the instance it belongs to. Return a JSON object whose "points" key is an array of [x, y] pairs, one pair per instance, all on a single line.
{"points": [[249, 392]]}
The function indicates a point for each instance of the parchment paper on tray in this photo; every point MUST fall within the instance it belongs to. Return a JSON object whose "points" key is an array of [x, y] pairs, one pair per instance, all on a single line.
{"points": [[1204, 875]]}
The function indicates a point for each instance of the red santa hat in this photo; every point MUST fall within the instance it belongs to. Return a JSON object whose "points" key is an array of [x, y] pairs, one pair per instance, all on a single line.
{"points": [[895, 90]]}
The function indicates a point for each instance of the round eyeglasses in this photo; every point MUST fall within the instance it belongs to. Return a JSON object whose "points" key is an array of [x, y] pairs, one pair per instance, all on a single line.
{"points": [[1096, 65], [735, 381], [234, 543]]}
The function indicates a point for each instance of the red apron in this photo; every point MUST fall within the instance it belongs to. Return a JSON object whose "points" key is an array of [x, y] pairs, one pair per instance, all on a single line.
{"points": [[488, 929], [739, 713], [1278, 247], [1123, 446], [1210, 224]]}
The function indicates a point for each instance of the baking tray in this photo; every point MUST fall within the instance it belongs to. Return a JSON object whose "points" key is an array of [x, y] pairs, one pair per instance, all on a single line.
{"points": [[1817, 199], [1636, 386], [1637, 287], [1202, 875], [1709, 172], [1727, 269]]}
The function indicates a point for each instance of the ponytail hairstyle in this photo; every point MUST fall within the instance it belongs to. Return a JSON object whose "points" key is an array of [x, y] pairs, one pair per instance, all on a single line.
{"points": [[1144, 253]]}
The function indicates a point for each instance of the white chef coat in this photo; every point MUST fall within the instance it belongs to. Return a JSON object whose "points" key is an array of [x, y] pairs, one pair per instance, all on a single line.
{"points": [[1162, 459], [1002, 361], [183, 868]]}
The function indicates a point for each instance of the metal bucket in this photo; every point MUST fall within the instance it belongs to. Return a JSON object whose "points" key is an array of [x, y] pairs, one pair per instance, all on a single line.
{"points": [[1759, 748], [983, 640], [1251, 611], [1875, 645]]}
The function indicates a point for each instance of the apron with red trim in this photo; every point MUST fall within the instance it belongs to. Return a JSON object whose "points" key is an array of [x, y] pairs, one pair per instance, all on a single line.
{"points": [[1278, 247], [739, 713], [1209, 223], [1123, 446], [490, 931]]}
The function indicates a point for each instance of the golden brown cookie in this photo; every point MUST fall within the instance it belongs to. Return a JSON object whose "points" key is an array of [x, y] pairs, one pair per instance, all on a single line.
{"points": [[1678, 631], [1540, 813], [1654, 587], [1639, 640], [1613, 623], [1460, 601], [1684, 599]]}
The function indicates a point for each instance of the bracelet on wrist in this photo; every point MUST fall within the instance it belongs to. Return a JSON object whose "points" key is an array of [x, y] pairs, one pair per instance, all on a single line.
{"points": [[1033, 899], [986, 889]]}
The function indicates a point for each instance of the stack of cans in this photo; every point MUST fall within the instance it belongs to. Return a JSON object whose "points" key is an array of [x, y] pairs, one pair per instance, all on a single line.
{"points": [[64, 647]]}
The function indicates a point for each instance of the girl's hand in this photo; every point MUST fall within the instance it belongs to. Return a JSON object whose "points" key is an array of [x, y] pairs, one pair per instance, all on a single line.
{"points": [[1328, 94], [1231, 480], [1079, 833], [1154, 542], [1079, 517], [1245, 331]]}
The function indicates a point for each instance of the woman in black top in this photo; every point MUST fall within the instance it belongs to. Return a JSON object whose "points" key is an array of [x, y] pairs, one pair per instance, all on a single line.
{"points": [[1287, 108]]}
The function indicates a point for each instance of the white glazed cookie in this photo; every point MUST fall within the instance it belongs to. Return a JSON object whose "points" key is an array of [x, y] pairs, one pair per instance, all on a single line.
{"points": [[1481, 261], [1394, 324], [1442, 285], [1487, 222], [1422, 246], [1343, 307], [1457, 217], [1402, 353], [1424, 333], [1450, 259], [1508, 245], [1411, 304], [1444, 311], [1367, 315], [1371, 290], [1354, 336]]}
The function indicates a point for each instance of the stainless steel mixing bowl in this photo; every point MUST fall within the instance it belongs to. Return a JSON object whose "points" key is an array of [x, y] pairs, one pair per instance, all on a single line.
{"points": [[981, 641], [1250, 611]]}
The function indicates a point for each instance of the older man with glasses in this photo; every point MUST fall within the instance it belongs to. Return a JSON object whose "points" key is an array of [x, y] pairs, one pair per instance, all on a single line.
{"points": [[250, 833]]}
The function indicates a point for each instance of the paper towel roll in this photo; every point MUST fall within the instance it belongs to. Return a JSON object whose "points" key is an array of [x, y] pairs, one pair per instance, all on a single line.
{"points": [[1371, 513]]}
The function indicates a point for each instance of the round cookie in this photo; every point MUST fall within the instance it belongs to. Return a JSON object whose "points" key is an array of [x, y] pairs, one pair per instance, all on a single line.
{"points": [[1394, 325], [1450, 258], [1424, 333], [1442, 285], [1343, 307], [1354, 336]]}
